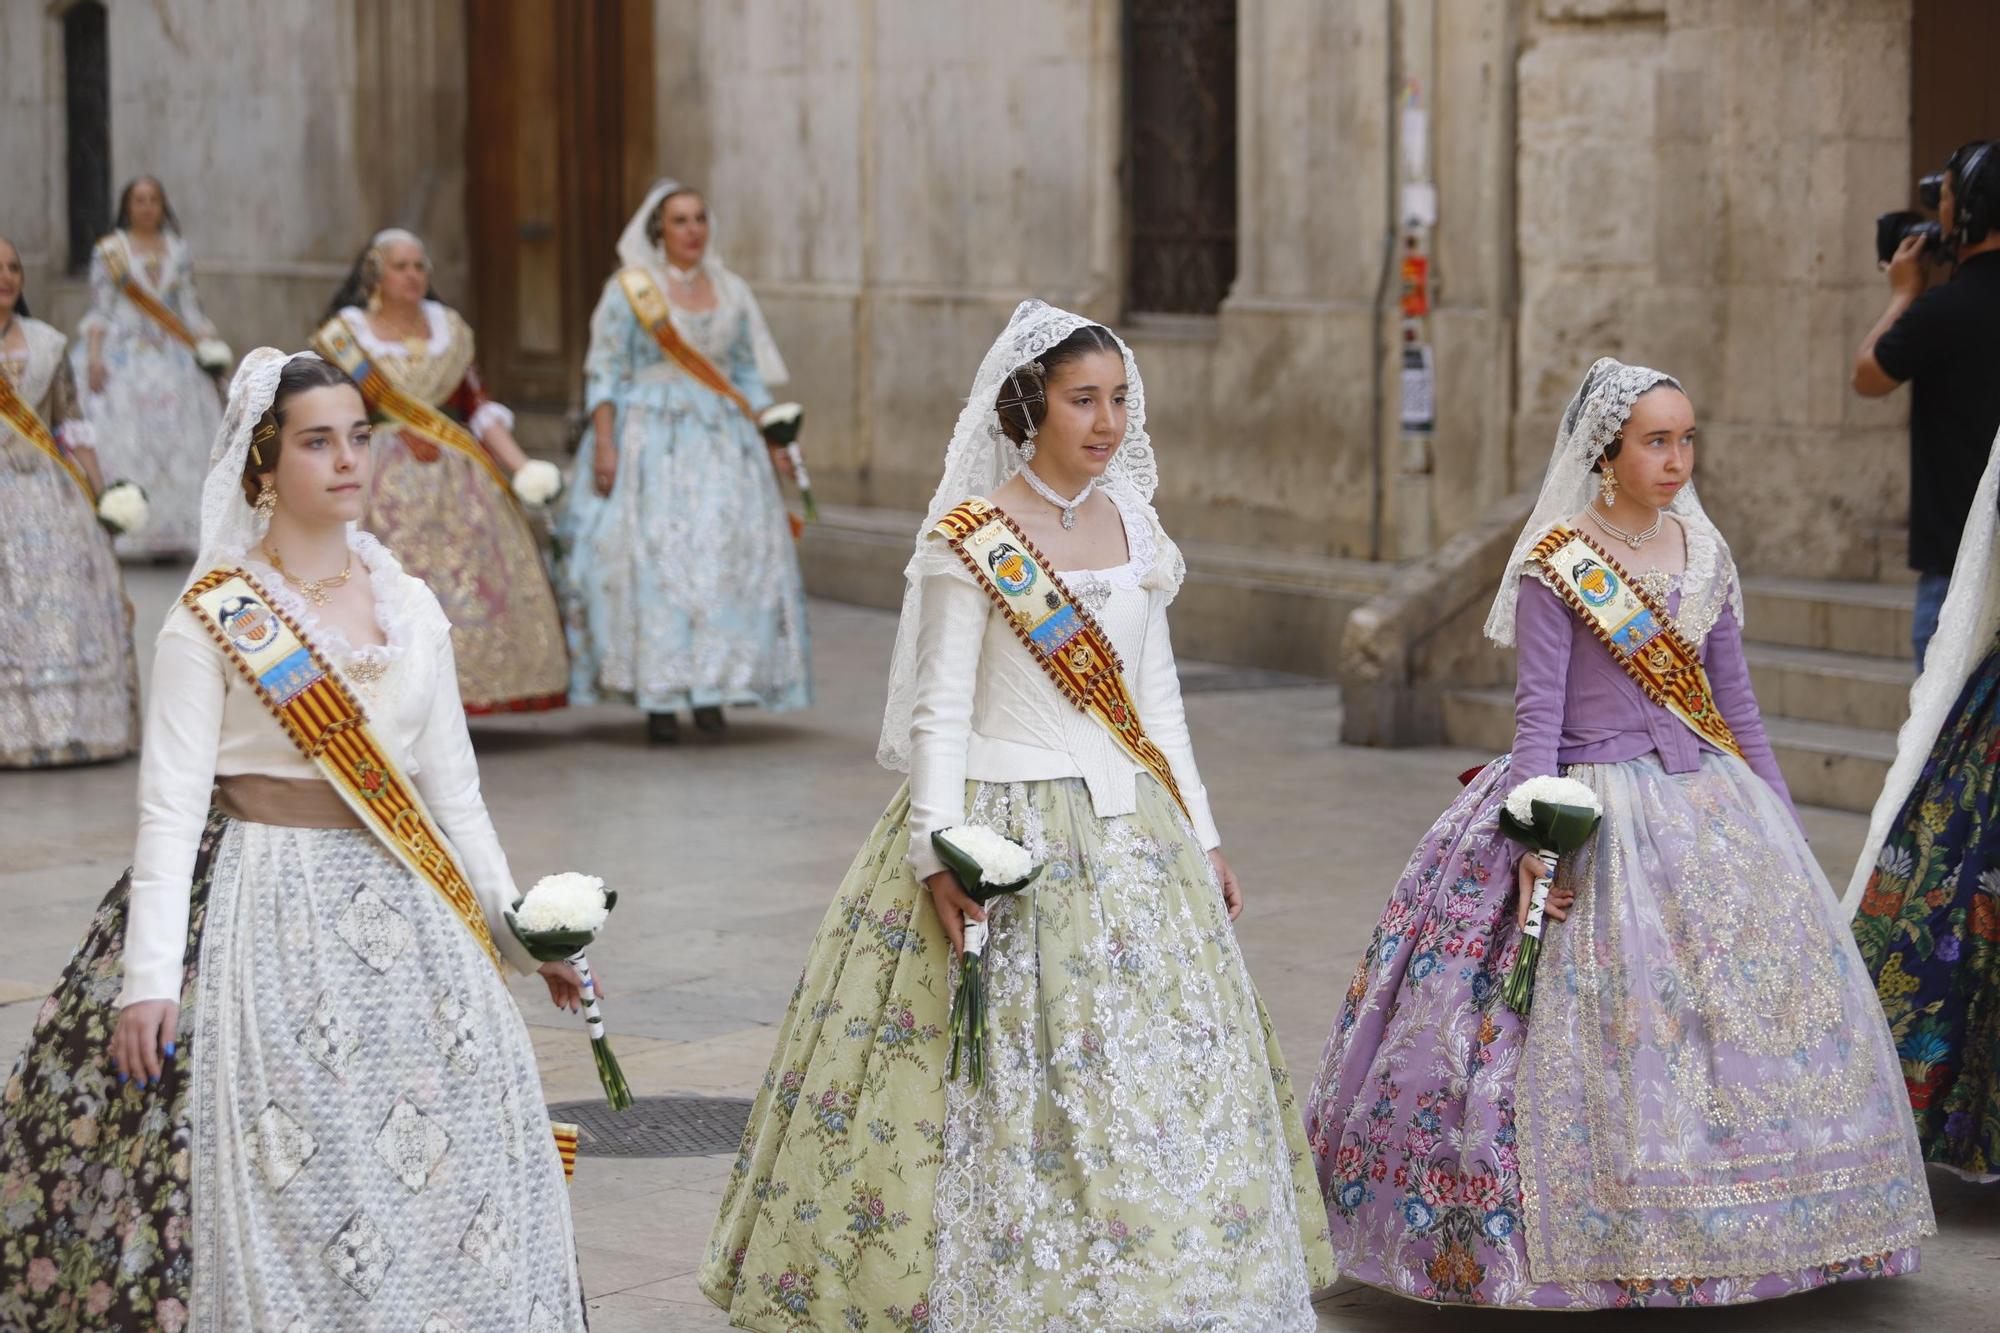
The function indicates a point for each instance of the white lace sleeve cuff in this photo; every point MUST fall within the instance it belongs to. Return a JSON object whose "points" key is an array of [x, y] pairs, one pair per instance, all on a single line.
{"points": [[489, 415], [76, 431]]}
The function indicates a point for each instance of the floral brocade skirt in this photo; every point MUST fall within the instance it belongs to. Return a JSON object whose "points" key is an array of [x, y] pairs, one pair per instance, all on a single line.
{"points": [[1132, 1161], [1929, 933], [69, 681], [154, 423], [450, 524], [682, 589], [1702, 1107], [350, 1135]]}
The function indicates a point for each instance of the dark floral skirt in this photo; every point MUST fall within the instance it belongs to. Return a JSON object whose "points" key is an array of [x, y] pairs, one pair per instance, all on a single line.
{"points": [[94, 1197], [1929, 931]]}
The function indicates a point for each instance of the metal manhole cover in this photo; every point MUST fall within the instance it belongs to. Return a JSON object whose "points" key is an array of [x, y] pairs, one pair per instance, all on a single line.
{"points": [[657, 1126]]}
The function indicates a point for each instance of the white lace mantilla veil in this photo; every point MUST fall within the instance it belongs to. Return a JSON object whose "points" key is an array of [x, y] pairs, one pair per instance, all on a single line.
{"points": [[229, 527], [979, 458], [1602, 404], [1966, 627], [637, 250]]}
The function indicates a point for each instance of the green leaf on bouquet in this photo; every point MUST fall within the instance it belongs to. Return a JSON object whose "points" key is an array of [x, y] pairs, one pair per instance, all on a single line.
{"points": [[966, 867], [1556, 828]]}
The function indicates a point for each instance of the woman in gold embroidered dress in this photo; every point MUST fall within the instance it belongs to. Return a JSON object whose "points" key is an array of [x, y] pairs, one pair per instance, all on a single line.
{"points": [[444, 514], [69, 686]]}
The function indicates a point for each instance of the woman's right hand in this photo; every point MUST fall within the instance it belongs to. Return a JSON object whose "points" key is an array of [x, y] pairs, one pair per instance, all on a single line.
{"points": [[604, 468], [1532, 867], [144, 1039], [97, 375], [954, 908]]}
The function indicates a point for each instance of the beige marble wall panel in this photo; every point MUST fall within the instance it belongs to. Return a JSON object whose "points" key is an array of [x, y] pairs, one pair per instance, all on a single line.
{"points": [[1711, 173]]}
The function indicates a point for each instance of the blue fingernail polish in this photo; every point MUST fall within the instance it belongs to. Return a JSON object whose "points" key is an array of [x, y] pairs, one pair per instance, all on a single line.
{"points": [[171, 1047], [121, 1080]]}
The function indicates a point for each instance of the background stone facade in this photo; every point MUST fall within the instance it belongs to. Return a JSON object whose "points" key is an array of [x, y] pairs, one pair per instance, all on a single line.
{"points": [[1689, 183]]}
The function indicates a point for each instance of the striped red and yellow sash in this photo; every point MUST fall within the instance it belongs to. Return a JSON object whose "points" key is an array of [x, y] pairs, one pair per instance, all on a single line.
{"points": [[140, 295], [1058, 633], [322, 718], [28, 424], [657, 317], [336, 342], [566, 1137], [1636, 631]]}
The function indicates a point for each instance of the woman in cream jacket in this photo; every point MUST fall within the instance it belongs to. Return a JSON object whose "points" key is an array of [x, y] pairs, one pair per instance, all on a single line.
{"points": [[1129, 1158]]}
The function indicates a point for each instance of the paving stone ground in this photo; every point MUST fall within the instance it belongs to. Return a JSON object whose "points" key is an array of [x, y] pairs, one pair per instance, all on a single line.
{"points": [[726, 855]]}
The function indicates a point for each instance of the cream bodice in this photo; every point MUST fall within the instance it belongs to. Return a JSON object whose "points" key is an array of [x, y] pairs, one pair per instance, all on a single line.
{"points": [[985, 711], [206, 721]]}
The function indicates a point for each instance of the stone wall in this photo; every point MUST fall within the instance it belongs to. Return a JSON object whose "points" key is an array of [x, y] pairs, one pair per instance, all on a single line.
{"points": [[893, 176], [1683, 182], [285, 134], [1697, 182]]}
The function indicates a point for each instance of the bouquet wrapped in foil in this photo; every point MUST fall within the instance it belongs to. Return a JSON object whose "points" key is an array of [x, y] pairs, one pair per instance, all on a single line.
{"points": [[554, 922], [1553, 817], [987, 865]]}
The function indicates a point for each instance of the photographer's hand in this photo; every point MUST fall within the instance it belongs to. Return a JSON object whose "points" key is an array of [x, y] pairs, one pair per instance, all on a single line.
{"points": [[1906, 269]]}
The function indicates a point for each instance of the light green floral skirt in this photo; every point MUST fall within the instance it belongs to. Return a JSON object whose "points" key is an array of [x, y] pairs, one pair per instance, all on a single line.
{"points": [[1135, 1158]]}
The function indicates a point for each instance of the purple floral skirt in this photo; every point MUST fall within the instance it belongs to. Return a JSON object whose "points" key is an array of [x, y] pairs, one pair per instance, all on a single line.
{"points": [[1700, 1109]]}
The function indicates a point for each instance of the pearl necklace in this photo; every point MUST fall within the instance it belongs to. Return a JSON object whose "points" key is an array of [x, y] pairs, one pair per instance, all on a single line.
{"points": [[1068, 507], [1632, 539]]}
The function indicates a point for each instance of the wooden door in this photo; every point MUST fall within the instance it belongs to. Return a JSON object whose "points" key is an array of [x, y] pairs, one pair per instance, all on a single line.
{"points": [[1953, 94], [559, 151]]}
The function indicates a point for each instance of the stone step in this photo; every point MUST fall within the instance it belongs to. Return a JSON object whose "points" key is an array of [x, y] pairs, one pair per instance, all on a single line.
{"points": [[1846, 689], [1891, 548], [1842, 768], [1872, 619]]}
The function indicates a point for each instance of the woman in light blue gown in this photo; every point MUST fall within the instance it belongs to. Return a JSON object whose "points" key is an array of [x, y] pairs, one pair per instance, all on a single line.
{"points": [[680, 584]]}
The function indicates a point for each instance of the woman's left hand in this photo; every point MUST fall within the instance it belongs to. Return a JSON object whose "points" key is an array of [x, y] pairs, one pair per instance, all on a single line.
{"points": [[1232, 889], [781, 459], [565, 986]]}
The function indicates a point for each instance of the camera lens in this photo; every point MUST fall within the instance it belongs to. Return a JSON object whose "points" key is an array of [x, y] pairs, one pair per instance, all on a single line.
{"points": [[1892, 228]]}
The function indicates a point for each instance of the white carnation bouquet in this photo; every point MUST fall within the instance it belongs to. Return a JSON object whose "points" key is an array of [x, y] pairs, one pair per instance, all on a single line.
{"points": [[1552, 817], [122, 507], [213, 355], [554, 922], [987, 865], [537, 483], [781, 423]]}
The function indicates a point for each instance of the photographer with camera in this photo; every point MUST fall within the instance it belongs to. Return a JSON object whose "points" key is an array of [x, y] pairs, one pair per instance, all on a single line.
{"points": [[1946, 343]]}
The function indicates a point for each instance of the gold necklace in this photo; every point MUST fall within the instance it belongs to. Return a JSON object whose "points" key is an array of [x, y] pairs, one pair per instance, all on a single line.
{"points": [[313, 590]]}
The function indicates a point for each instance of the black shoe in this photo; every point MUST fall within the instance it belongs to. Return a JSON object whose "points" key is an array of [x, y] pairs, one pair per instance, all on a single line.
{"points": [[709, 721], [663, 728]]}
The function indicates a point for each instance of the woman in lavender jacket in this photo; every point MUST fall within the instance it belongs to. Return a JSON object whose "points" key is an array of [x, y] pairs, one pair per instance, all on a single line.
{"points": [[1703, 1106]]}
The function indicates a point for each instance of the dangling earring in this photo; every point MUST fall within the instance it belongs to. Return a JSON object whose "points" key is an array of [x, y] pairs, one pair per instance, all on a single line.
{"points": [[267, 499], [1607, 487], [1027, 447]]}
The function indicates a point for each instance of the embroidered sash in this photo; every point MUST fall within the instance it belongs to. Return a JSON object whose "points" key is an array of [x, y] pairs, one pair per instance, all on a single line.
{"points": [[651, 308], [323, 719], [30, 426], [1638, 633], [337, 343], [1058, 633], [141, 295]]}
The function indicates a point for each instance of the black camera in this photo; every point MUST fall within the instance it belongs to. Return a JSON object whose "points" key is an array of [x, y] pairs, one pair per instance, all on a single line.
{"points": [[1892, 228]]}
